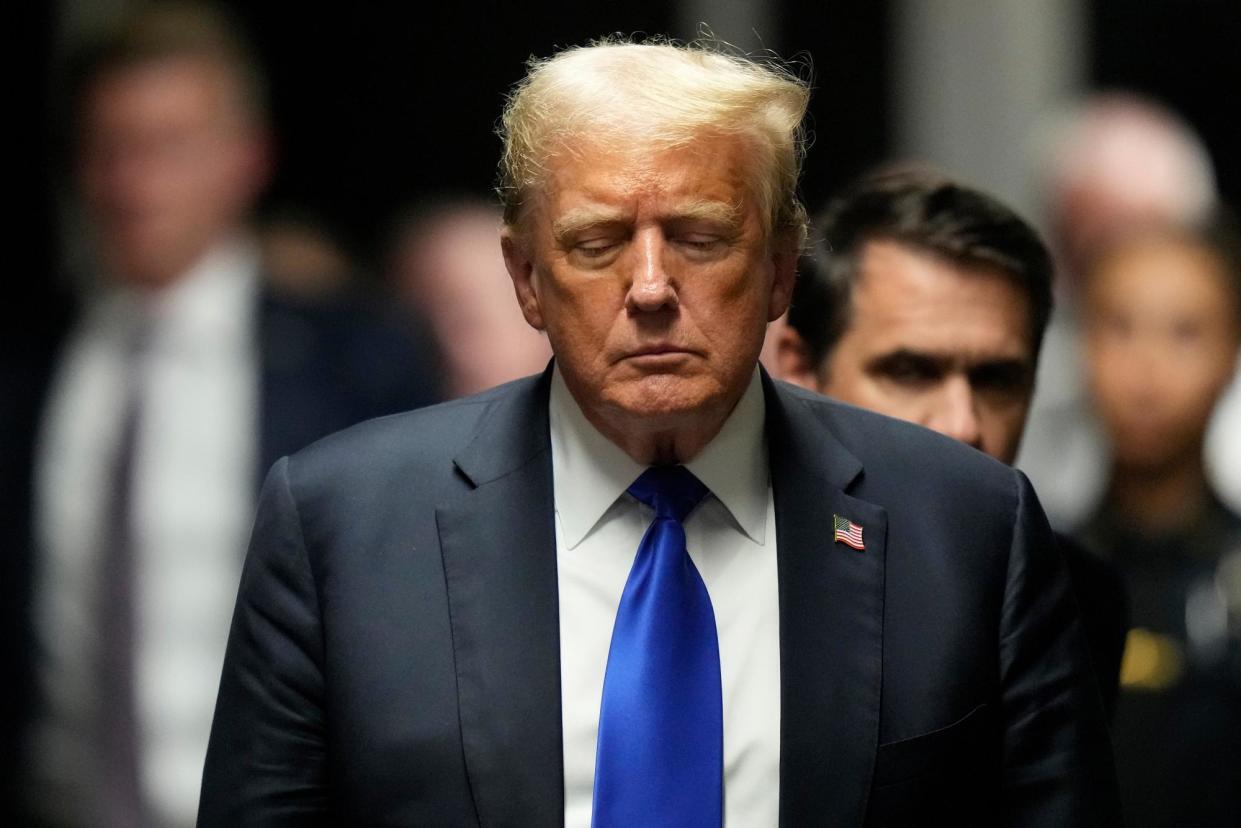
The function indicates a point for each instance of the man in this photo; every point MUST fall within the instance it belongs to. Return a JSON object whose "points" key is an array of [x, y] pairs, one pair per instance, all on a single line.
{"points": [[178, 380], [507, 610], [927, 300], [1162, 327]]}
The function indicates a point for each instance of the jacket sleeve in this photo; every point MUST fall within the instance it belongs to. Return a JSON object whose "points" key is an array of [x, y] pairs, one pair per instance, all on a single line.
{"points": [[1058, 767], [266, 759]]}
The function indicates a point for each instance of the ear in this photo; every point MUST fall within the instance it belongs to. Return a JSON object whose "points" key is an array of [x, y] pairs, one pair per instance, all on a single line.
{"points": [[784, 265], [521, 270], [261, 159], [249, 163], [793, 362]]}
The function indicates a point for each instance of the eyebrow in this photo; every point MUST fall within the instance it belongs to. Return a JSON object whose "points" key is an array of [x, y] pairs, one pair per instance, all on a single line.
{"points": [[943, 362], [886, 361], [705, 210], [583, 218]]}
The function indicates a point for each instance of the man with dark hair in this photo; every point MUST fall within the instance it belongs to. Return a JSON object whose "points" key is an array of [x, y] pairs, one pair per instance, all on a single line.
{"points": [[175, 380], [927, 300]]}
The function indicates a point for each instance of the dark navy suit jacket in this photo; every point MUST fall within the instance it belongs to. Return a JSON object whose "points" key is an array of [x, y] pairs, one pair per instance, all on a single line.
{"points": [[394, 655]]}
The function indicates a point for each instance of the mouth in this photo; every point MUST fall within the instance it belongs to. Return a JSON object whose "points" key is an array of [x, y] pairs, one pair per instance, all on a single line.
{"points": [[658, 349], [656, 352]]}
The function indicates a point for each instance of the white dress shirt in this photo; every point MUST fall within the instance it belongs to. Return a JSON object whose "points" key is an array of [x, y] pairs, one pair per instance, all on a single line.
{"points": [[731, 538], [192, 498]]}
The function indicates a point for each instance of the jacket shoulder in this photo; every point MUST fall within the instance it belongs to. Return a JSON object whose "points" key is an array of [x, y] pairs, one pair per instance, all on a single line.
{"points": [[399, 449], [901, 459]]}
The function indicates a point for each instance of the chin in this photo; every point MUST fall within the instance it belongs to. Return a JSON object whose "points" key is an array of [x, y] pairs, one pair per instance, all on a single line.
{"points": [[1145, 452], [666, 400]]}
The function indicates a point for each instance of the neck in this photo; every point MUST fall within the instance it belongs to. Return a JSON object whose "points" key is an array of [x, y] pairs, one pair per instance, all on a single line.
{"points": [[1159, 500], [663, 446]]}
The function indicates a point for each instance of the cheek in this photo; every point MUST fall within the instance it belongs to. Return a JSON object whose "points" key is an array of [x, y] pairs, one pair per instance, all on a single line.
{"points": [[732, 316], [1194, 392], [1110, 372], [1005, 421], [580, 320]]}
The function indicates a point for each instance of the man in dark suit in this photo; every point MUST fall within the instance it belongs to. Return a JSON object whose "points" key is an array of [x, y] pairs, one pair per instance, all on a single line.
{"points": [[651, 586], [139, 422], [927, 300]]}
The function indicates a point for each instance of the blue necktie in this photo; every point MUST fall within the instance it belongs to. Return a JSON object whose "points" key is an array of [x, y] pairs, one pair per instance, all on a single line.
{"points": [[660, 758]]}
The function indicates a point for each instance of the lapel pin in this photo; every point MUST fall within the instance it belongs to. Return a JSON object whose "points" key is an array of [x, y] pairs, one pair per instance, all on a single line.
{"points": [[848, 533]]}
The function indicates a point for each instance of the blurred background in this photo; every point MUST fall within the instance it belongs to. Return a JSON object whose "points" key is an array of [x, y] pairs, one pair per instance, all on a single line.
{"points": [[358, 195]]}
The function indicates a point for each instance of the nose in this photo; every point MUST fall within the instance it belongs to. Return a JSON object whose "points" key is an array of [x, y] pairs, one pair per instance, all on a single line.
{"points": [[955, 412], [651, 287]]}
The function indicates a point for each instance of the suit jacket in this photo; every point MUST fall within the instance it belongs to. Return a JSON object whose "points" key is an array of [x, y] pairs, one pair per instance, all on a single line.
{"points": [[322, 367], [394, 655]]}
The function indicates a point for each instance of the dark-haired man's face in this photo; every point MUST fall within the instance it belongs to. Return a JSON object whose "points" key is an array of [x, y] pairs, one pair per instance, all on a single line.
{"points": [[936, 343]]}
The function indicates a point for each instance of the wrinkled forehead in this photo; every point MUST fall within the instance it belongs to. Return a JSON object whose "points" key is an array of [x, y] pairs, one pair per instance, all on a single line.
{"points": [[697, 170]]}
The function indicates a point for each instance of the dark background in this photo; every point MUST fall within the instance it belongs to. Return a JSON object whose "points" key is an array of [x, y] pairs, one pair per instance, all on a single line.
{"points": [[379, 104]]}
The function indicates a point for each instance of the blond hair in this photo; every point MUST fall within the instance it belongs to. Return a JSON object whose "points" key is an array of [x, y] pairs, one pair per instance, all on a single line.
{"points": [[665, 94]]}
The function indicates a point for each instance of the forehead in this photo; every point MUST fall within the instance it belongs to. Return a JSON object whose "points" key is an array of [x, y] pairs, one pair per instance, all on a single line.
{"points": [[637, 179], [906, 299], [1163, 278], [161, 88]]}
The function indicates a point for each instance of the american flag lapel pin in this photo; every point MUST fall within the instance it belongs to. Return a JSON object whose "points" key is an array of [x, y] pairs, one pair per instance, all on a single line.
{"points": [[848, 533]]}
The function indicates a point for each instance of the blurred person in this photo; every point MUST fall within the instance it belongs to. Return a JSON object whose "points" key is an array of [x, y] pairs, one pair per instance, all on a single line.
{"points": [[180, 377], [446, 266], [1093, 191], [927, 300], [1113, 163], [650, 586], [302, 258], [1162, 328]]}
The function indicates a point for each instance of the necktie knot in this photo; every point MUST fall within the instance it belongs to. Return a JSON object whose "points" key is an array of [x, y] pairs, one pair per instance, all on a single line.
{"points": [[672, 491]]}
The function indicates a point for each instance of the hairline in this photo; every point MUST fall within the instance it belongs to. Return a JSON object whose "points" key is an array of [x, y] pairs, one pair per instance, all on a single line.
{"points": [[777, 132], [977, 267]]}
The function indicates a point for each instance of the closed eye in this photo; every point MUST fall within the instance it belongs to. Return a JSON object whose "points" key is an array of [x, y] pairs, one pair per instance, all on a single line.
{"points": [[595, 248], [699, 242]]}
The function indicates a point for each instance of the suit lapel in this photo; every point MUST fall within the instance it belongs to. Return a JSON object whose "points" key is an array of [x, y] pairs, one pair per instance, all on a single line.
{"points": [[499, 550], [831, 620]]}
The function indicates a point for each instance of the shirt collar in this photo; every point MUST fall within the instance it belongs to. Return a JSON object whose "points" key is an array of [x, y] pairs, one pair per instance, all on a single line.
{"points": [[734, 464], [590, 472]]}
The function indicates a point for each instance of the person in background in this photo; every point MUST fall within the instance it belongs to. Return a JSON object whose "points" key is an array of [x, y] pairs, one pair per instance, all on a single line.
{"points": [[1162, 327], [927, 300], [1114, 163], [445, 266], [178, 378], [302, 257]]}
